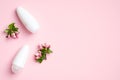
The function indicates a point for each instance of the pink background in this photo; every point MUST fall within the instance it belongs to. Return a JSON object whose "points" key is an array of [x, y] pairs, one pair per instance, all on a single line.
{"points": [[84, 34]]}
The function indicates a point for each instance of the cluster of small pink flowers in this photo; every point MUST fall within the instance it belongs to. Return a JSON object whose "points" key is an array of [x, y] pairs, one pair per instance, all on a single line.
{"points": [[43, 46], [40, 47], [37, 55], [43, 50], [13, 35]]}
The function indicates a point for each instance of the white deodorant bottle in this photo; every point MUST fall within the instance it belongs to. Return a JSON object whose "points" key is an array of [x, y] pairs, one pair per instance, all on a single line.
{"points": [[20, 59], [28, 20]]}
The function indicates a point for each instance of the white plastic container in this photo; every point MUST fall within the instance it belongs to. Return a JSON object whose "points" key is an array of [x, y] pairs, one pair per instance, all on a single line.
{"points": [[20, 59], [28, 20]]}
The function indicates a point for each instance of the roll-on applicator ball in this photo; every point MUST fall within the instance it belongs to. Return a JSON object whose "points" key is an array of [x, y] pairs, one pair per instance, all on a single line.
{"points": [[28, 20], [20, 59]]}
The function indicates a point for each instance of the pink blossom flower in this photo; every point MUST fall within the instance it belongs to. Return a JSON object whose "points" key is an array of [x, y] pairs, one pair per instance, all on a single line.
{"points": [[16, 34], [37, 57], [48, 46], [8, 36], [13, 35], [40, 47], [37, 54], [45, 46]]}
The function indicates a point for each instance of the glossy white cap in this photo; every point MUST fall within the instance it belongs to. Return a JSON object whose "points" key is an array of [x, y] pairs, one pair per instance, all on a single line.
{"points": [[28, 20], [20, 59]]}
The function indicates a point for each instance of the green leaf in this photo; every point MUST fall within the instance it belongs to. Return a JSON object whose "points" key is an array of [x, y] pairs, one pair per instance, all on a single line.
{"points": [[15, 29], [49, 51], [7, 30], [43, 50], [39, 60], [11, 26], [44, 57]]}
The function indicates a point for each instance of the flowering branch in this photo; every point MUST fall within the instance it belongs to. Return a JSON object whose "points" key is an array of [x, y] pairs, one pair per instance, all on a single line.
{"points": [[12, 31], [43, 50]]}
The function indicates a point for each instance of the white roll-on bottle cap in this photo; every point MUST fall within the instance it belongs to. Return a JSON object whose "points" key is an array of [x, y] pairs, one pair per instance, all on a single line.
{"points": [[28, 20], [20, 59]]}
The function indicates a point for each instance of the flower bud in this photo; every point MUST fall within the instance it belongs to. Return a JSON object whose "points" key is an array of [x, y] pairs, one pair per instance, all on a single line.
{"points": [[13, 35]]}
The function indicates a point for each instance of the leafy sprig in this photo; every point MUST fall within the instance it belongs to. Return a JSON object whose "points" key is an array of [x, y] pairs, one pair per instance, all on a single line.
{"points": [[12, 31], [43, 51]]}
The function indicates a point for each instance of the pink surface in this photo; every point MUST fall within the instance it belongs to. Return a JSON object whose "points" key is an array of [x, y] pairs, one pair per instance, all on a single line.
{"points": [[84, 34]]}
